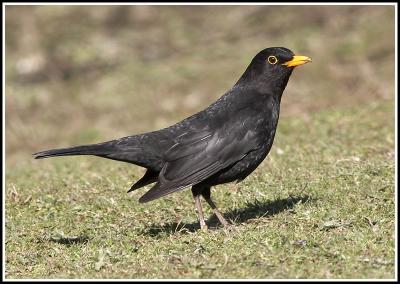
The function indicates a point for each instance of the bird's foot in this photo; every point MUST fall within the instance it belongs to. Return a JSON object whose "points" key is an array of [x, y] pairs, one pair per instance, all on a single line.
{"points": [[204, 228], [230, 228]]}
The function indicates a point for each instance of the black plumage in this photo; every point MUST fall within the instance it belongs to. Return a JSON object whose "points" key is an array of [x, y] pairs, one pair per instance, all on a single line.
{"points": [[223, 143]]}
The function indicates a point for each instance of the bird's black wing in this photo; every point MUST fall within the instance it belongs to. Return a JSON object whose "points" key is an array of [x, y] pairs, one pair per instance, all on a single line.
{"points": [[200, 153]]}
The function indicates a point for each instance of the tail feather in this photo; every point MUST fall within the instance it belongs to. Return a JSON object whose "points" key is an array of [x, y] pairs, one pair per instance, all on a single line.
{"points": [[149, 177], [143, 150], [95, 149]]}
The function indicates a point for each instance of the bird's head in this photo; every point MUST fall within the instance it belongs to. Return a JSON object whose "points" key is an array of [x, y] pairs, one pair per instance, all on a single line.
{"points": [[272, 67]]}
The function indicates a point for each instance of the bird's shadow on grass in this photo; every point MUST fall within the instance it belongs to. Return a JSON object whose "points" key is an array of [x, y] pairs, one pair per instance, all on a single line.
{"points": [[252, 210], [68, 241]]}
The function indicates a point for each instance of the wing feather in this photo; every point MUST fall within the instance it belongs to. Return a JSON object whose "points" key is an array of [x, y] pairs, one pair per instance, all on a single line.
{"points": [[202, 153]]}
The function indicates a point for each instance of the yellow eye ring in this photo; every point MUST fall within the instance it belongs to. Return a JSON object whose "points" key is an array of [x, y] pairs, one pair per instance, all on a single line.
{"points": [[272, 59]]}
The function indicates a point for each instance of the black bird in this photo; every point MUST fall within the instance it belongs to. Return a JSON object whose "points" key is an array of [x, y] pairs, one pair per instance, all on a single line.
{"points": [[223, 143]]}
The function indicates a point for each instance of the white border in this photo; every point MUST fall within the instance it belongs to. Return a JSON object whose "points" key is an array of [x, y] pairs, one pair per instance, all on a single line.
{"points": [[206, 3], [202, 4]]}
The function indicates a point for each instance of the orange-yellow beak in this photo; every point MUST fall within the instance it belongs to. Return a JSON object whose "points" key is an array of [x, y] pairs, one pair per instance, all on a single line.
{"points": [[297, 60]]}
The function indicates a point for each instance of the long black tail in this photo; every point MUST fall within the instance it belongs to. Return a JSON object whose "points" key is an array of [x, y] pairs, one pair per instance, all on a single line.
{"points": [[94, 149], [142, 150]]}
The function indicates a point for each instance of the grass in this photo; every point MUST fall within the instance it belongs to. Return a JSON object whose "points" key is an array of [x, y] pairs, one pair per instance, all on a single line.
{"points": [[322, 205]]}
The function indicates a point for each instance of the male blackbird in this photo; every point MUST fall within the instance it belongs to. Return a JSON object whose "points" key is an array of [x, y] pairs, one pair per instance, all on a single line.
{"points": [[223, 143]]}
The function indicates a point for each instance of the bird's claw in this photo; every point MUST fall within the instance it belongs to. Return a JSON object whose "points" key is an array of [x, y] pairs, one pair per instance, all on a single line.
{"points": [[204, 228], [230, 228]]}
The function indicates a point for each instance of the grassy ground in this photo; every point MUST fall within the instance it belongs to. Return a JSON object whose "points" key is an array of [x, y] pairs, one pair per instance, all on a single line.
{"points": [[301, 214], [320, 206]]}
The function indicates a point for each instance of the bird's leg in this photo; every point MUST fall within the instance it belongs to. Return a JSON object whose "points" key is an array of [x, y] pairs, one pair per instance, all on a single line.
{"points": [[200, 213], [207, 196]]}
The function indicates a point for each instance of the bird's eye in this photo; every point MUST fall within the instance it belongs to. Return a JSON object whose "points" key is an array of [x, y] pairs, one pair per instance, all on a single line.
{"points": [[272, 59]]}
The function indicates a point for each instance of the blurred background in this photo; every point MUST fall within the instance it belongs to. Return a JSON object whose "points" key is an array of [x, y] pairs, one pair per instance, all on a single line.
{"points": [[85, 74]]}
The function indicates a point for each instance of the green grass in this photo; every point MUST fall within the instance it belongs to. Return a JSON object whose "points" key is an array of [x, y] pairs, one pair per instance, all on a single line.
{"points": [[321, 208]]}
